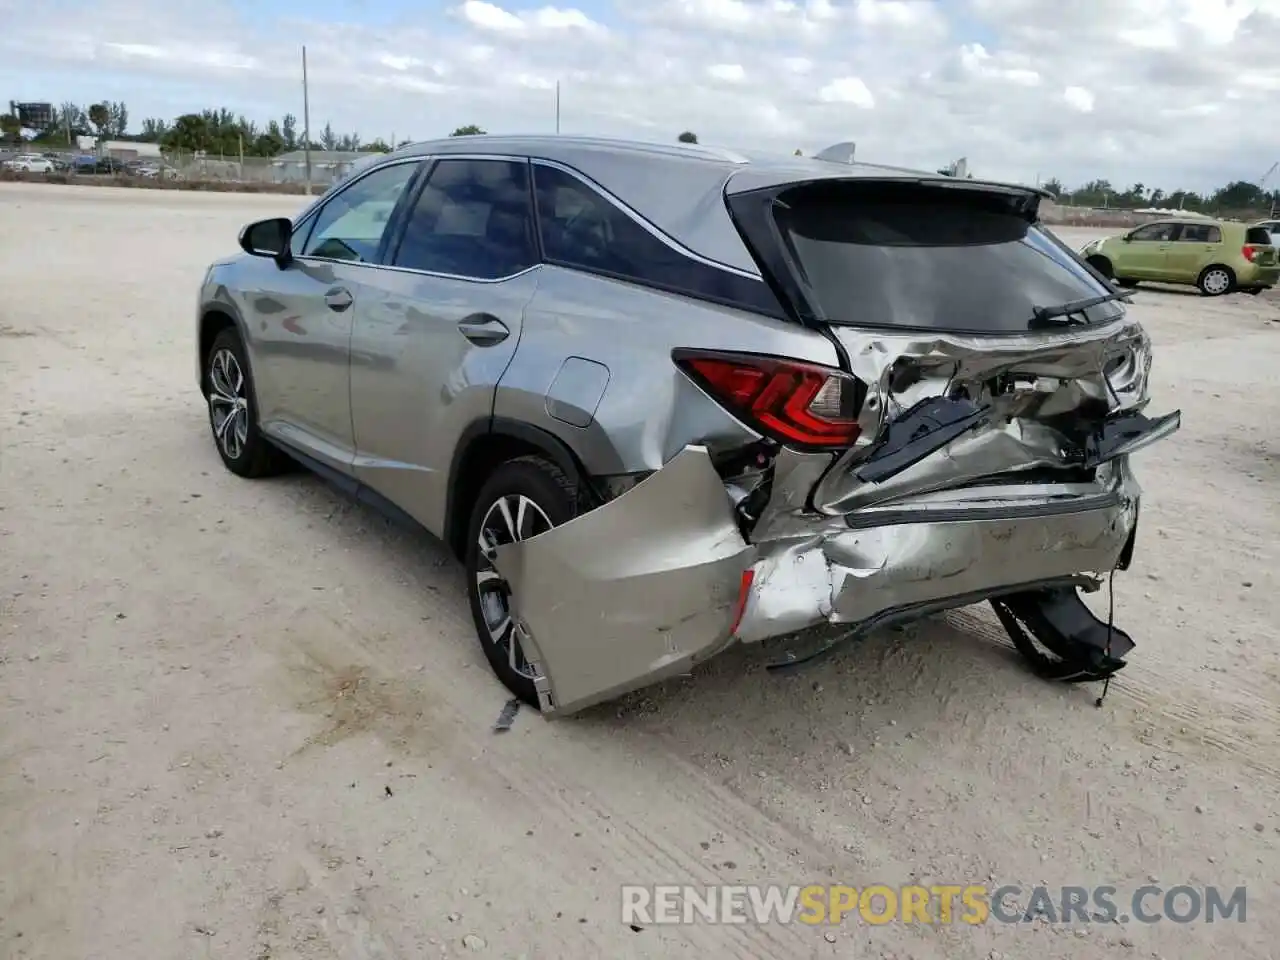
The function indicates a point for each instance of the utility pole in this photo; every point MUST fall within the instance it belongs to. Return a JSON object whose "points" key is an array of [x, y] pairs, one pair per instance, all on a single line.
{"points": [[306, 120], [557, 106]]}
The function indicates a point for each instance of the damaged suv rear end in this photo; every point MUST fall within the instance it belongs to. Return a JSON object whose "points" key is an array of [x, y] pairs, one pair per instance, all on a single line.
{"points": [[969, 442]]}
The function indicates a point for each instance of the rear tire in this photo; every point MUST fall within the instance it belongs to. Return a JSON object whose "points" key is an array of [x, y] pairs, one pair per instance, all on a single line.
{"points": [[521, 499], [233, 411], [1216, 280]]}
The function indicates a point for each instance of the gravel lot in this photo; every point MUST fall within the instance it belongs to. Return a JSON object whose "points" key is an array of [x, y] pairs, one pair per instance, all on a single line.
{"points": [[249, 720]]}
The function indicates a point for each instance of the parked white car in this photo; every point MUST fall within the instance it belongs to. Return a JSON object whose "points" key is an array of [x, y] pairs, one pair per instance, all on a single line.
{"points": [[29, 163], [154, 171]]}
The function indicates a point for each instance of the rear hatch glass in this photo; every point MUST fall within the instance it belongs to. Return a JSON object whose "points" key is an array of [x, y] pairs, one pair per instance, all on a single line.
{"points": [[917, 256], [1262, 237]]}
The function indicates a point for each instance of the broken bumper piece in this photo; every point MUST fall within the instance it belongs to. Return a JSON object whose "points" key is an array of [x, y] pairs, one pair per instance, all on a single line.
{"points": [[652, 583]]}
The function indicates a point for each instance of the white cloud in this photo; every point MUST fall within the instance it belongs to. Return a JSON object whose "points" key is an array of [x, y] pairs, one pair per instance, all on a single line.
{"points": [[491, 17], [849, 90], [1166, 92], [727, 72], [1079, 99]]}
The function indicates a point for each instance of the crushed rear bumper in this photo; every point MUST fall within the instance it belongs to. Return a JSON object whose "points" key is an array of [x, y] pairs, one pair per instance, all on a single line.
{"points": [[652, 583]]}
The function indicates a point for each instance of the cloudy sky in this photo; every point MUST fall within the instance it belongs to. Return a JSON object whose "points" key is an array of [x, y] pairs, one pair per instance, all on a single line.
{"points": [[1164, 92]]}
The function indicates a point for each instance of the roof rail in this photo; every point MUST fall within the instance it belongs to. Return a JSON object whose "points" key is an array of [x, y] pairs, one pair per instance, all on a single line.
{"points": [[838, 152]]}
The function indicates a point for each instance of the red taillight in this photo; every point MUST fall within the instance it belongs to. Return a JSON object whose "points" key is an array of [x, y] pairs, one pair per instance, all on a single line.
{"points": [[797, 403], [1249, 251]]}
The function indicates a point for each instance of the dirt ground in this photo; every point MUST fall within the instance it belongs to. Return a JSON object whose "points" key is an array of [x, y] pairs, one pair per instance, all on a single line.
{"points": [[250, 720]]}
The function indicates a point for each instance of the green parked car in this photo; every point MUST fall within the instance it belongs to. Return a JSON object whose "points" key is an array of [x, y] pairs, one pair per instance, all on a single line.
{"points": [[1215, 255]]}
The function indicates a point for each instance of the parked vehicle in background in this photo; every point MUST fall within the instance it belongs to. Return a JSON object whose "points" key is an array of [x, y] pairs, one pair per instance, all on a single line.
{"points": [[29, 163], [153, 170], [88, 165], [1215, 255], [660, 400]]}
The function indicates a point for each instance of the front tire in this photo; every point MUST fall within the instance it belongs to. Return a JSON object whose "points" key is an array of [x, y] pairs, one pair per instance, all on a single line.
{"points": [[233, 411], [1216, 280], [521, 499]]}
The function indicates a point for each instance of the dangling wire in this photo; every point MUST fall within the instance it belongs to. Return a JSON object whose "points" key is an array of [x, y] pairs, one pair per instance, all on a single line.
{"points": [[1111, 620]]}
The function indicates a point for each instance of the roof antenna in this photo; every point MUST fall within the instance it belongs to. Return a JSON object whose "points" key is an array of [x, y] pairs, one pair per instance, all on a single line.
{"points": [[1111, 621]]}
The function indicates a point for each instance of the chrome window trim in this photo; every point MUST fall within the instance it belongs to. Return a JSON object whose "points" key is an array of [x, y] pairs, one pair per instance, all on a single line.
{"points": [[640, 221], [424, 158], [424, 273]]}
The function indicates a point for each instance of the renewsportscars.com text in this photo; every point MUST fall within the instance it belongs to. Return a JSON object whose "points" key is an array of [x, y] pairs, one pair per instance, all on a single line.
{"points": [[971, 904]]}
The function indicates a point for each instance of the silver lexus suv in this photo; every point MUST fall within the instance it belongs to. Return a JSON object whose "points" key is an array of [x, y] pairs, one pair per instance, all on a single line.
{"points": [[660, 400]]}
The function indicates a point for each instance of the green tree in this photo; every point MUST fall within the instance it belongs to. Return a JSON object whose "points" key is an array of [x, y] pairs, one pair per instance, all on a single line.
{"points": [[153, 130], [10, 128], [1054, 186], [376, 146], [470, 130], [72, 116], [687, 137], [289, 131], [117, 119], [100, 117], [1240, 195]]}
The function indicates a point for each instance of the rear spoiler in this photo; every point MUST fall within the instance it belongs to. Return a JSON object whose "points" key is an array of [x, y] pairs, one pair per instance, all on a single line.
{"points": [[844, 152]]}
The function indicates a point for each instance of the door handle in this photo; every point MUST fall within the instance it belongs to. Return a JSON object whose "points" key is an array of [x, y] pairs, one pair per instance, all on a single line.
{"points": [[339, 298], [483, 329]]}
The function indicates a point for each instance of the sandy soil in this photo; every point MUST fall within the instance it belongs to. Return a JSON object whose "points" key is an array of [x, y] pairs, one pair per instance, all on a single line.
{"points": [[249, 720]]}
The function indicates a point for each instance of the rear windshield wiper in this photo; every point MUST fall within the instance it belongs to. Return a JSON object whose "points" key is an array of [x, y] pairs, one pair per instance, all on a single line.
{"points": [[1045, 316]]}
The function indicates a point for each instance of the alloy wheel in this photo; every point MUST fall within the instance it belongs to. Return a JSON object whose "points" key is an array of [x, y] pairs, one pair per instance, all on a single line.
{"points": [[1216, 282], [509, 519], [228, 404]]}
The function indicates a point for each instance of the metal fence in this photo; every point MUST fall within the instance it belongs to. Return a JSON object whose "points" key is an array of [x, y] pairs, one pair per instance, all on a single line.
{"points": [[289, 170]]}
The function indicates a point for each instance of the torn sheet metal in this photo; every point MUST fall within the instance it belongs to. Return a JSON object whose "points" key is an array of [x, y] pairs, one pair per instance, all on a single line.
{"points": [[635, 591], [1054, 373], [947, 411]]}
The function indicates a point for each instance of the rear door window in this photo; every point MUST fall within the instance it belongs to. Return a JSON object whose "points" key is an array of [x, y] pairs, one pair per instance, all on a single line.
{"points": [[473, 219], [584, 230], [883, 254], [1199, 233]]}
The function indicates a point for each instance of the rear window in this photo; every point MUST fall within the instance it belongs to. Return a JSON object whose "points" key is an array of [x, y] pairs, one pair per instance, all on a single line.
{"points": [[928, 258], [1259, 235]]}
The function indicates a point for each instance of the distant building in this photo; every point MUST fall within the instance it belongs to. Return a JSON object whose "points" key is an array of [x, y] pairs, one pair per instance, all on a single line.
{"points": [[120, 149], [33, 116], [130, 150]]}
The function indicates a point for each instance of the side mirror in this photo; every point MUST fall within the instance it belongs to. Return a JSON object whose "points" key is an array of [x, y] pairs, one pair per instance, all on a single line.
{"points": [[1127, 238], [268, 238]]}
